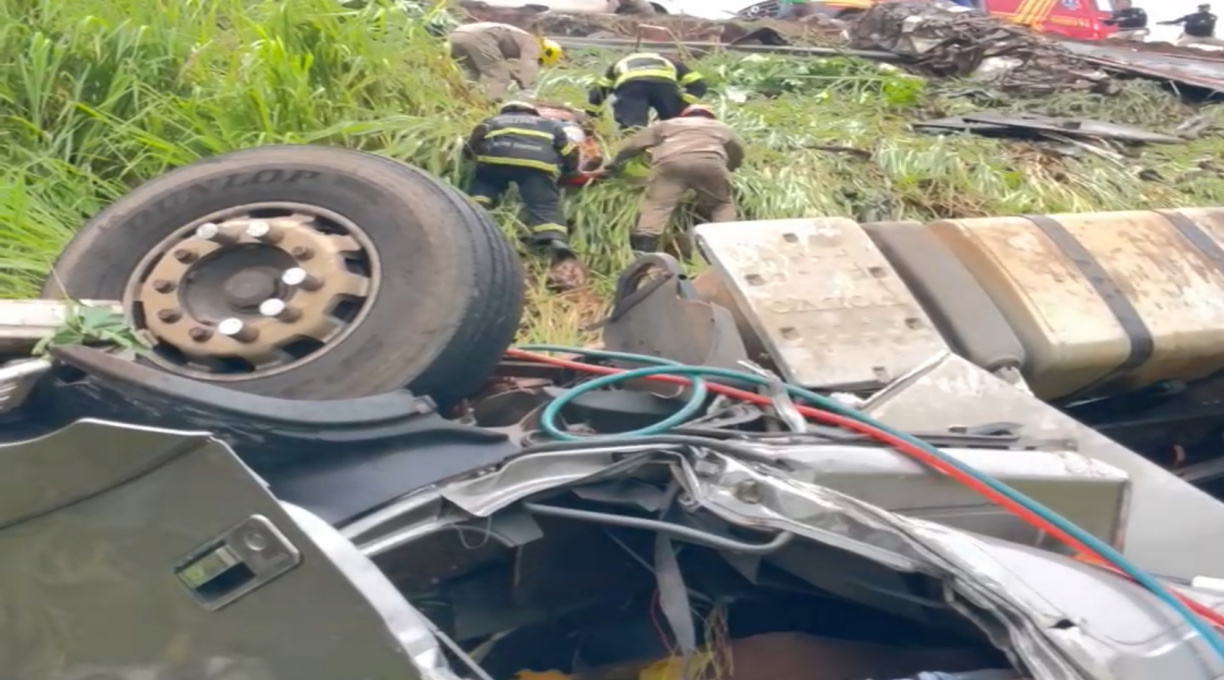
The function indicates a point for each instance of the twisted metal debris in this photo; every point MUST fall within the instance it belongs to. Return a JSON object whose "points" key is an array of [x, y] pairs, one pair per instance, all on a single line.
{"points": [[943, 43]]}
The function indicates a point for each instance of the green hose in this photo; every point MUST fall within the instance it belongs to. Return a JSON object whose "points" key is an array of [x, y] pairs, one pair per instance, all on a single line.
{"points": [[552, 413], [926, 452]]}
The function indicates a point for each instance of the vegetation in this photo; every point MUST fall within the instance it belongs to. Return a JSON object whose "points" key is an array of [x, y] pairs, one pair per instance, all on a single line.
{"points": [[97, 96]]}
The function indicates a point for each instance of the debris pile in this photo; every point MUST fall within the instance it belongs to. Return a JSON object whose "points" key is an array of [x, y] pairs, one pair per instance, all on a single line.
{"points": [[660, 28], [943, 43]]}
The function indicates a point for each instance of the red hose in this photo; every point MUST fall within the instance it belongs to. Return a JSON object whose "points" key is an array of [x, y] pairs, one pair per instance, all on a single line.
{"points": [[1082, 551]]}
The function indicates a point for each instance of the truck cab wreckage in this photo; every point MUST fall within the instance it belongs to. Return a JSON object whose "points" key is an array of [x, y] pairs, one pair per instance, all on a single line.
{"points": [[746, 491]]}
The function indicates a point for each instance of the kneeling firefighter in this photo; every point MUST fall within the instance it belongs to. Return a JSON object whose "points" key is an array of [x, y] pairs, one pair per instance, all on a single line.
{"points": [[646, 81], [695, 151], [519, 146], [501, 54]]}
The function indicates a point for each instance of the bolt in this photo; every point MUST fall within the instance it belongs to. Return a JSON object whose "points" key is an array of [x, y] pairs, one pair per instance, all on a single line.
{"points": [[302, 253], [169, 315], [234, 328], [262, 230], [199, 333], [212, 232], [163, 285], [185, 256], [277, 309], [298, 277]]}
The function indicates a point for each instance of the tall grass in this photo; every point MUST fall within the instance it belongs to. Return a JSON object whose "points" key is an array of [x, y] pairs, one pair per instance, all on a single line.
{"points": [[97, 96]]}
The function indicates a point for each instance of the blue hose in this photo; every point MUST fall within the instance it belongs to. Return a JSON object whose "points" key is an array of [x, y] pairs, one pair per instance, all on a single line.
{"points": [[548, 423]]}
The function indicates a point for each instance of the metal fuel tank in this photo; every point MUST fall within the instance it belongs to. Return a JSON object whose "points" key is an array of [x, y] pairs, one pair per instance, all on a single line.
{"points": [[1103, 302]]}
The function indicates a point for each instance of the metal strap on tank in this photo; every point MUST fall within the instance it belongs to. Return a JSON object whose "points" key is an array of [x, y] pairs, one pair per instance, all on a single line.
{"points": [[1197, 237], [1141, 341]]}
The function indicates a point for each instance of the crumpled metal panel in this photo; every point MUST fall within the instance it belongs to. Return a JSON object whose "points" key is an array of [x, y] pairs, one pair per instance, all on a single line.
{"points": [[99, 521], [953, 392], [1204, 71], [823, 299]]}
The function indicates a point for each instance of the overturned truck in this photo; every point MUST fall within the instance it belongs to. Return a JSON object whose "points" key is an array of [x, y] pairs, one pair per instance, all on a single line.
{"points": [[327, 464]]}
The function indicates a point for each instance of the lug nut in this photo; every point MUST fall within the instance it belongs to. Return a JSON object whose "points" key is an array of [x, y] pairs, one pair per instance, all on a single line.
{"points": [[200, 333], [264, 231], [163, 285], [277, 309], [185, 256], [299, 278], [213, 232], [234, 328], [302, 253], [169, 315]]}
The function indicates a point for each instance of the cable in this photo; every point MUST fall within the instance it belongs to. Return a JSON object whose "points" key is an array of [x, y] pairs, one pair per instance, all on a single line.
{"points": [[676, 530], [830, 412]]}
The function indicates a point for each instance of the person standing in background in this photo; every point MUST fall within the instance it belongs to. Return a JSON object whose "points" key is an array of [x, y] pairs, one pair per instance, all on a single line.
{"points": [[1130, 21], [1197, 28]]}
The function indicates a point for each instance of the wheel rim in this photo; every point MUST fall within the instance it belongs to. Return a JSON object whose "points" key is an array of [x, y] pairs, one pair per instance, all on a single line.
{"points": [[253, 291]]}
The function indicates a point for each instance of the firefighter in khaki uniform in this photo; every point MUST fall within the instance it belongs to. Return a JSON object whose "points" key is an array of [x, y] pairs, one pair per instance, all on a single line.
{"points": [[501, 54], [519, 146], [642, 82], [695, 151]]}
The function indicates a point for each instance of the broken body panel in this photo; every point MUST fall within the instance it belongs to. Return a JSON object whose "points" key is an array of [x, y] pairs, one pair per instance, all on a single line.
{"points": [[159, 553], [897, 296]]}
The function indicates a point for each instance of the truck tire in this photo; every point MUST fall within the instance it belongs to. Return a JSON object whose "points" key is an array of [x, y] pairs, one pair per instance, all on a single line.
{"points": [[438, 290]]}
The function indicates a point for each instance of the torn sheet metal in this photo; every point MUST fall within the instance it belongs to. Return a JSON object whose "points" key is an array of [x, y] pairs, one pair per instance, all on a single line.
{"points": [[1000, 124], [954, 392], [1205, 71], [1065, 620], [941, 43]]}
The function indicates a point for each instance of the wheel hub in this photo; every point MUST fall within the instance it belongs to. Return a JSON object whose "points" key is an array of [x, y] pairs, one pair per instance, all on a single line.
{"points": [[248, 288], [254, 293]]}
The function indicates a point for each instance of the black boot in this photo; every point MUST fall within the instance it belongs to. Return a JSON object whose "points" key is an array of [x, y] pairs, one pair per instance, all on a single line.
{"points": [[640, 243]]}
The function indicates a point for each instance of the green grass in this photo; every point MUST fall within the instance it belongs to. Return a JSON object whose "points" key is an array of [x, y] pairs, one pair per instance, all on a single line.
{"points": [[97, 96]]}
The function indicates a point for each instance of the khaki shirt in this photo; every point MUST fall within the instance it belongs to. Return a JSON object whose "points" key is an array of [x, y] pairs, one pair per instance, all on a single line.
{"points": [[518, 47], [687, 138]]}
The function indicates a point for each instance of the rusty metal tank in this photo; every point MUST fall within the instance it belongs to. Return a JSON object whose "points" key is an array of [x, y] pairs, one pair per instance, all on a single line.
{"points": [[1103, 302]]}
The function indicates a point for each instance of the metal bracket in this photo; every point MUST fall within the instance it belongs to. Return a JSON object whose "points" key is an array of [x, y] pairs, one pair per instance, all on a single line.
{"points": [[779, 398], [237, 562]]}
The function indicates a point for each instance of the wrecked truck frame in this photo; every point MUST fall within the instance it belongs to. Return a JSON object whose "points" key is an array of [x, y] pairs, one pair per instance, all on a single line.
{"points": [[174, 526], [167, 521]]}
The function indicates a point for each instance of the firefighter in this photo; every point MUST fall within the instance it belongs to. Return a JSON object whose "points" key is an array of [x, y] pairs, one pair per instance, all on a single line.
{"points": [[1197, 28], [646, 81], [501, 53], [695, 151], [1130, 21], [520, 146]]}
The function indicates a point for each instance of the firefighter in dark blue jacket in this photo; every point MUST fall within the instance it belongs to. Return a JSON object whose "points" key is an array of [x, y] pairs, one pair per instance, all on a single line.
{"points": [[519, 146], [646, 81]]}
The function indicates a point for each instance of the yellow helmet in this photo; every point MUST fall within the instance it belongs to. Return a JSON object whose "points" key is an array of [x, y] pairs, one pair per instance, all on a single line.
{"points": [[550, 52]]}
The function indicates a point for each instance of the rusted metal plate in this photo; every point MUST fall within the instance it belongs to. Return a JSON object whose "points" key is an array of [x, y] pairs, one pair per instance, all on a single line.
{"points": [[1186, 68], [828, 307]]}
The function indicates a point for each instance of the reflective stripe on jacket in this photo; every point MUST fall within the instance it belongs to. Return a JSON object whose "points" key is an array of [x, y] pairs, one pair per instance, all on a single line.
{"points": [[647, 66], [524, 140]]}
